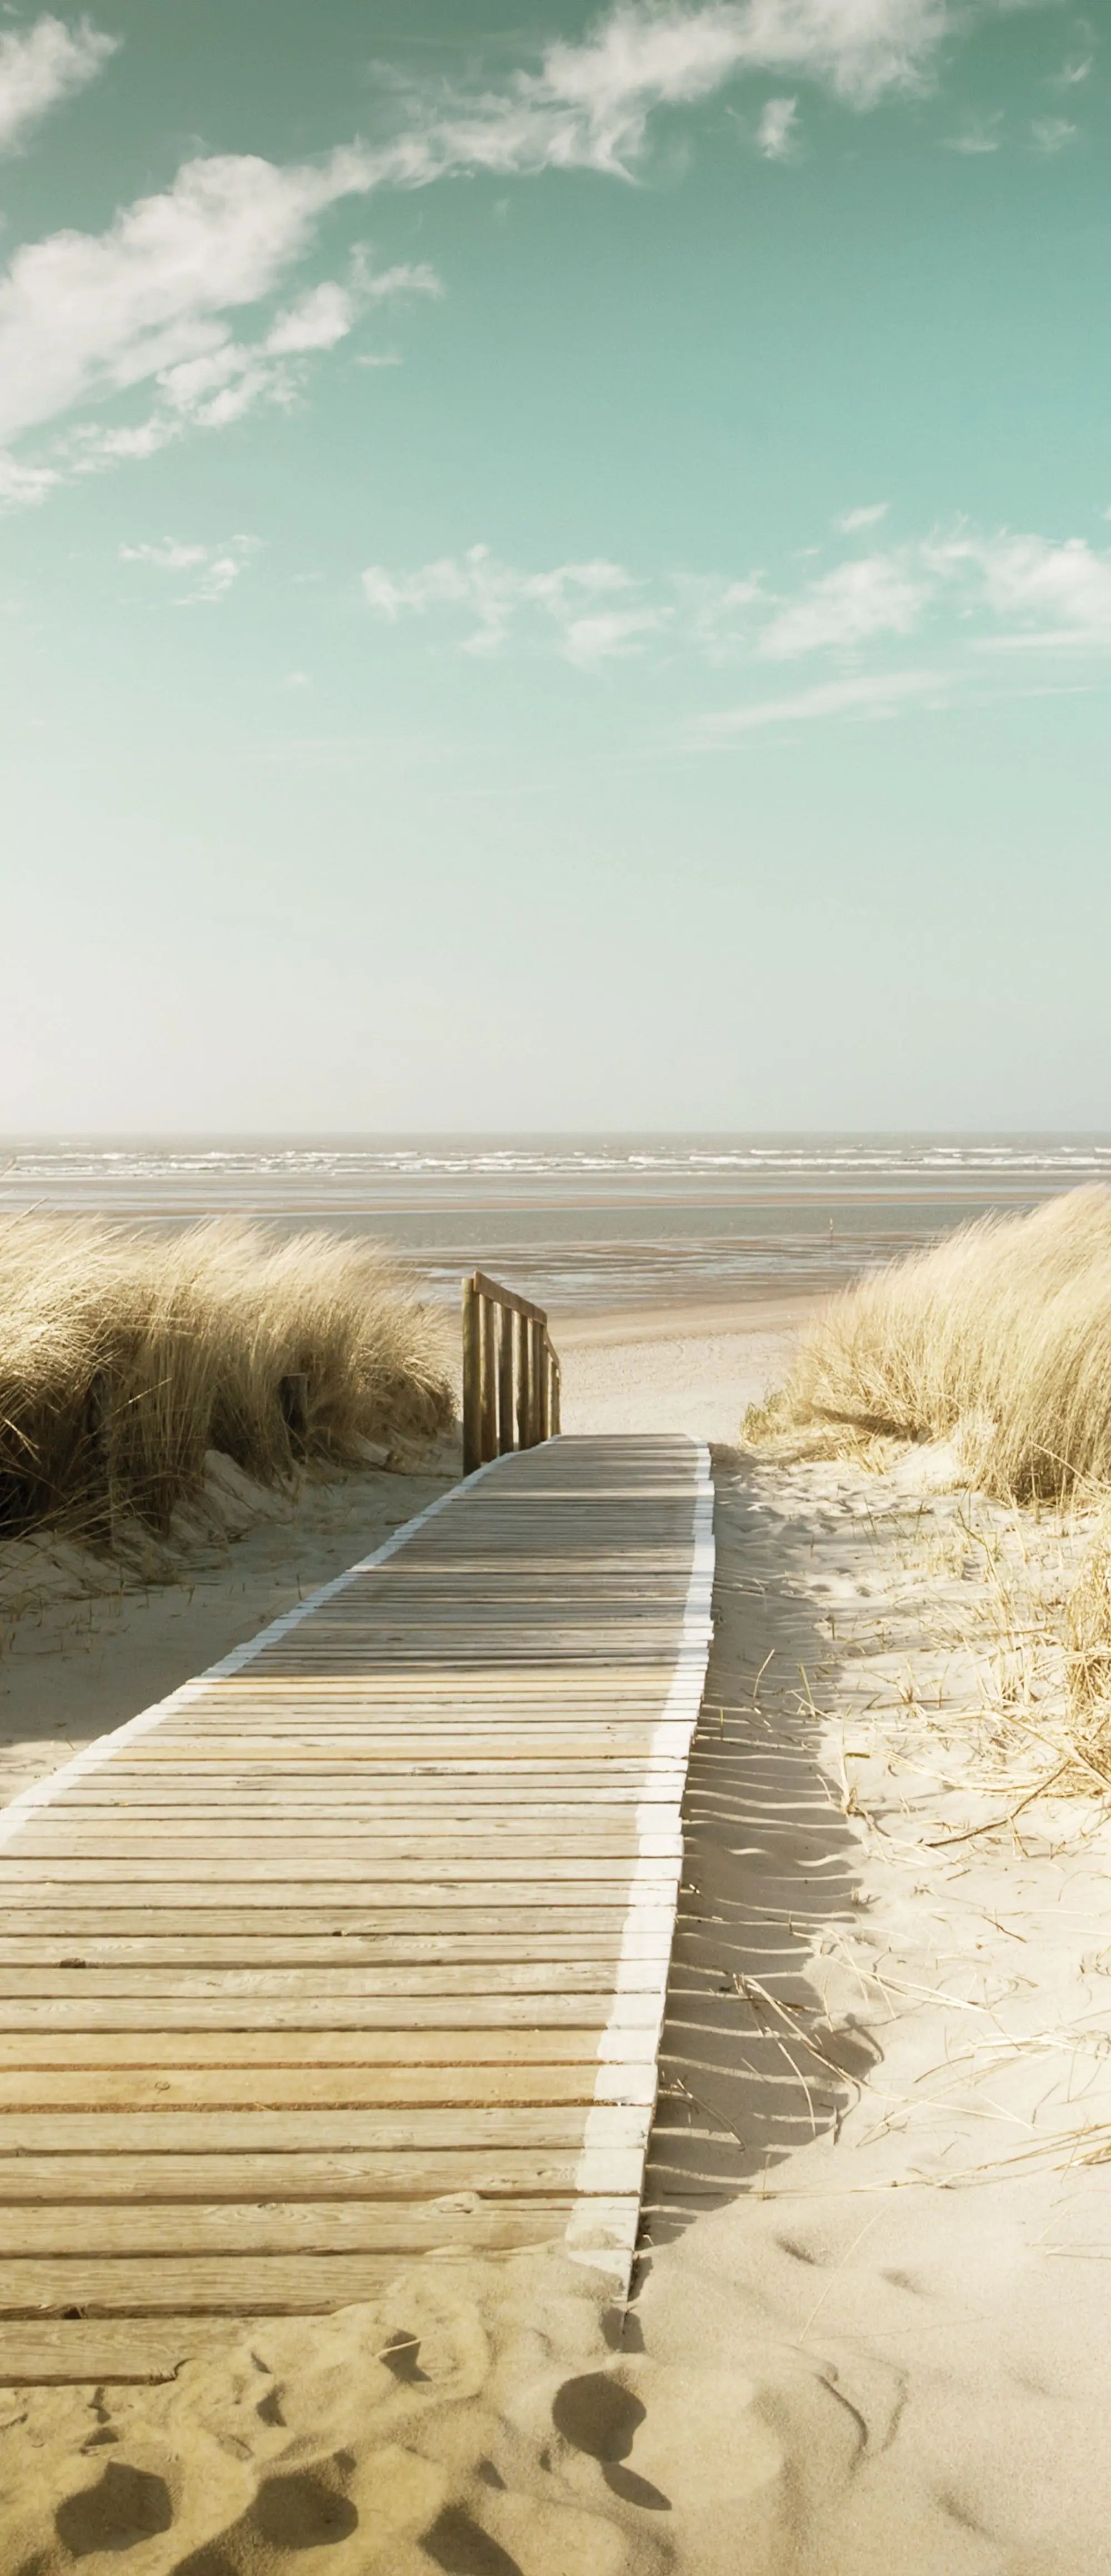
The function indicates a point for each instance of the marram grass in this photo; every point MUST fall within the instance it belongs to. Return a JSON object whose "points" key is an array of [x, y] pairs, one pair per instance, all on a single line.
{"points": [[1000, 1334], [125, 1355]]}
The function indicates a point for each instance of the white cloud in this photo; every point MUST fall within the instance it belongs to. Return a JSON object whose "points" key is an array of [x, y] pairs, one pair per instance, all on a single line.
{"points": [[214, 568], [1060, 590], [775, 134], [1076, 69], [868, 516], [874, 694], [589, 105], [406, 278], [877, 595], [22, 485], [82, 315], [1051, 133], [496, 596], [86, 317], [42, 64], [608, 633], [978, 134], [319, 320], [998, 591]]}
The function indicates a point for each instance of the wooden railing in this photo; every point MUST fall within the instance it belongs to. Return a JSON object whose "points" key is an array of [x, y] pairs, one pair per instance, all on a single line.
{"points": [[511, 1375]]}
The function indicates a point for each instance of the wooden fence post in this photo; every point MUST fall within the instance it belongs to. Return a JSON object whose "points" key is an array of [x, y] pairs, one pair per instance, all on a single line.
{"points": [[536, 1382], [489, 1383], [293, 1397], [505, 1381], [523, 1352], [472, 1378], [509, 1364]]}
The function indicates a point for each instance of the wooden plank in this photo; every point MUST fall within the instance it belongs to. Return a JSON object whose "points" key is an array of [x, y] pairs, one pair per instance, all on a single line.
{"points": [[73, 2352], [114, 1928], [486, 1870], [307, 2013], [507, 1297], [258, 2284], [358, 1947], [426, 2047], [317, 1902], [505, 1978], [162, 2087], [266, 1949], [255, 2132], [152, 2202]]}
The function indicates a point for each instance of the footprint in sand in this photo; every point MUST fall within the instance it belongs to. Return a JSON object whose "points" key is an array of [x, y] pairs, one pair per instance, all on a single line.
{"points": [[125, 2506], [596, 2414]]}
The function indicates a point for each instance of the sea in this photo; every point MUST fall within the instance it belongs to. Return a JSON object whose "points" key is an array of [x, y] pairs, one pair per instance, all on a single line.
{"points": [[576, 1222]]}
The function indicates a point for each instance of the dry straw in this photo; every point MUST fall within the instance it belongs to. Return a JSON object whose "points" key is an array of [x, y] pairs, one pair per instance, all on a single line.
{"points": [[124, 1356], [1000, 1339], [1000, 1334]]}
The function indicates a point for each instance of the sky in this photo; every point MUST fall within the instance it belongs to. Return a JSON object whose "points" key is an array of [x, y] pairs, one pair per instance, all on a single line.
{"points": [[555, 568]]}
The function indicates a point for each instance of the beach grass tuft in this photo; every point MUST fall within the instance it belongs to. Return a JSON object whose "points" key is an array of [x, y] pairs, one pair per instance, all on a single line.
{"points": [[126, 1355], [999, 1337]]}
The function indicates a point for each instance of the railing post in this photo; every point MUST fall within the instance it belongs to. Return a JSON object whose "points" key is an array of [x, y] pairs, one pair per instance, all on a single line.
{"points": [[557, 1390], [505, 1381], [472, 1379], [523, 1353], [489, 1434], [293, 1397], [510, 1369], [536, 1382]]}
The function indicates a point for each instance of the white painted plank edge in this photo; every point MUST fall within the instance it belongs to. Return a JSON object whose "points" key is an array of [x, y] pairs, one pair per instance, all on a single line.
{"points": [[678, 1721], [42, 1793]]}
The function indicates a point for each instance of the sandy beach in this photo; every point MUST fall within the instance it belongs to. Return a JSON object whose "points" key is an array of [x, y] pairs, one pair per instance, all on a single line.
{"points": [[867, 2323]]}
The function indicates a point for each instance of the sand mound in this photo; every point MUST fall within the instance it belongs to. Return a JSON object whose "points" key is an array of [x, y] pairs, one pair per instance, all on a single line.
{"points": [[476, 2419]]}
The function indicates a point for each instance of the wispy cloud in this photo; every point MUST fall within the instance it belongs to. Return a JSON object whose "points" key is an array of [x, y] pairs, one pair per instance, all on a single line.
{"points": [[211, 570], [873, 595], [776, 134], [875, 693], [976, 592], [41, 65], [592, 606], [978, 134], [868, 516], [87, 317], [1059, 590], [1051, 133], [83, 317], [1074, 69]]}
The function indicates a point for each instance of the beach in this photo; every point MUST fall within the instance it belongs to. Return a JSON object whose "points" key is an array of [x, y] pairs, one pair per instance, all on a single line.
{"points": [[866, 2322]]}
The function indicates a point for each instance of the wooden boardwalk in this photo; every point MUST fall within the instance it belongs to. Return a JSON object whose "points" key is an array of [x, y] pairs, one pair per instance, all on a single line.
{"points": [[357, 1945]]}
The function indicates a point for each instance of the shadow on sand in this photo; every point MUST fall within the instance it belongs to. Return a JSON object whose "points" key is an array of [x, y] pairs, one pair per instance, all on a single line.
{"points": [[750, 2067]]}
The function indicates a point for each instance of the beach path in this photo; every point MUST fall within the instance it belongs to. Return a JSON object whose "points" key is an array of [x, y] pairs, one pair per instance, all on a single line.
{"points": [[356, 1946]]}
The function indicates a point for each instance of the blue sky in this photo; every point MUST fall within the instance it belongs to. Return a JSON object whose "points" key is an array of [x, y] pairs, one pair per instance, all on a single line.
{"points": [[555, 569]]}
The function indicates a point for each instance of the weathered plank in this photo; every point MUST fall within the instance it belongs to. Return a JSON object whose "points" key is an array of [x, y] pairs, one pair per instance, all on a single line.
{"points": [[356, 1948]]}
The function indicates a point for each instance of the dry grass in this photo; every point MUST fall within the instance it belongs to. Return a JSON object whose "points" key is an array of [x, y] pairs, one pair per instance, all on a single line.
{"points": [[1088, 1634], [1000, 1334], [124, 1356], [998, 1339]]}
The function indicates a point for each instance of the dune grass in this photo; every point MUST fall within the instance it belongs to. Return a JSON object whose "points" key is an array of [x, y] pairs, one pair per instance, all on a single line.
{"points": [[125, 1355], [1000, 1338], [1001, 1333]]}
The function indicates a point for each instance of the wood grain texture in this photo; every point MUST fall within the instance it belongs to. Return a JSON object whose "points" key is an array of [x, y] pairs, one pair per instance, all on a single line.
{"points": [[357, 1948]]}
